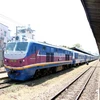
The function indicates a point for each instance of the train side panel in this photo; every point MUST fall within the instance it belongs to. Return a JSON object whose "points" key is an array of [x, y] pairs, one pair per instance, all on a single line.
{"points": [[22, 65]]}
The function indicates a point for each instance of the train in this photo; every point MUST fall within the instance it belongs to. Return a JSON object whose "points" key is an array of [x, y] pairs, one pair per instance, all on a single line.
{"points": [[23, 59]]}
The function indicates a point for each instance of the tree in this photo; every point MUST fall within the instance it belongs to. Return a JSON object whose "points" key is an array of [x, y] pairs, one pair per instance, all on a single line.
{"points": [[77, 45], [44, 42], [64, 46]]}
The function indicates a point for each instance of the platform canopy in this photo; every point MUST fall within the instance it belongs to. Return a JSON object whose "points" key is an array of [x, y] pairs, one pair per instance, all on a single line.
{"points": [[92, 9], [80, 50]]}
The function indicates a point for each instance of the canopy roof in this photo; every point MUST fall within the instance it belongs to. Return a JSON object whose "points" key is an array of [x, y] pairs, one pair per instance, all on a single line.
{"points": [[92, 9]]}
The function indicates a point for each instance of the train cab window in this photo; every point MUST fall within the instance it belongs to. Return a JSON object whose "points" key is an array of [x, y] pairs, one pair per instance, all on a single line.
{"points": [[10, 46], [21, 46]]}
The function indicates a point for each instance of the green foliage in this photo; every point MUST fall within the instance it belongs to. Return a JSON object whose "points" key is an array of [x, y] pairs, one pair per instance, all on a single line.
{"points": [[65, 46], [77, 45]]}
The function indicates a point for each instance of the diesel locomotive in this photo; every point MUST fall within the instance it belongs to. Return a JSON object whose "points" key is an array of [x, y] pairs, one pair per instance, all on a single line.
{"points": [[22, 59]]}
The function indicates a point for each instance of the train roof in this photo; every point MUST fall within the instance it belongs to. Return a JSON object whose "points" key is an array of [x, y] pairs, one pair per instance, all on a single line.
{"points": [[77, 49], [60, 47], [44, 43]]}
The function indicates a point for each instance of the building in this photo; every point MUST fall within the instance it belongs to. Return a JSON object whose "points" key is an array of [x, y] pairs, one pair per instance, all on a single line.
{"points": [[23, 31], [4, 35], [4, 38]]}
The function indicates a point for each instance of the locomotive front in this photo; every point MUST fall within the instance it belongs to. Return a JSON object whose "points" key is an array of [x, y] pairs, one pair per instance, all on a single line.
{"points": [[15, 58]]}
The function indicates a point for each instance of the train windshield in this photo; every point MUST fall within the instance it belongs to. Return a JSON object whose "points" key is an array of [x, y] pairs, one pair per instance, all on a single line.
{"points": [[21, 46], [10, 46]]}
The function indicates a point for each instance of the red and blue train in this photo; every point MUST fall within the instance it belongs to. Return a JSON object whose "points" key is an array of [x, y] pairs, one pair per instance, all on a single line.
{"points": [[23, 59]]}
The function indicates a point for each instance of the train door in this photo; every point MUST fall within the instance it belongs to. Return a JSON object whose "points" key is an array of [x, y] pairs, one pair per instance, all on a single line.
{"points": [[37, 49], [52, 54], [52, 57], [32, 53], [48, 57], [36, 53], [67, 57]]}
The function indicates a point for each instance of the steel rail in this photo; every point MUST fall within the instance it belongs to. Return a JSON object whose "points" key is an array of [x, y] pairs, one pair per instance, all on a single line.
{"points": [[84, 86], [4, 78], [5, 84], [65, 88], [2, 71]]}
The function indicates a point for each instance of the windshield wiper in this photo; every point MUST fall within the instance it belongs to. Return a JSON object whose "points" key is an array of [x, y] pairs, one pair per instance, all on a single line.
{"points": [[20, 50]]}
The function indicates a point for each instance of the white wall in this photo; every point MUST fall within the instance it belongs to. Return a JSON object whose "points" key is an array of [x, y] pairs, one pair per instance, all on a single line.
{"points": [[4, 34]]}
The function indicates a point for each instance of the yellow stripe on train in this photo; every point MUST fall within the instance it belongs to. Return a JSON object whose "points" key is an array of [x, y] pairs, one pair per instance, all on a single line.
{"points": [[34, 65]]}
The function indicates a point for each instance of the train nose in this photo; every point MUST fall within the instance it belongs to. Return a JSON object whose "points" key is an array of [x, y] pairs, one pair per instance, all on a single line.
{"points": [[13, 72]]}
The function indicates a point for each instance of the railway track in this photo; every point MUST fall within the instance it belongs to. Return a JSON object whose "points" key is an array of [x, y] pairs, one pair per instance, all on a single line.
{"points": [[2, 70], [3, 76], [70, 87], [5, 82], [8, 82]]}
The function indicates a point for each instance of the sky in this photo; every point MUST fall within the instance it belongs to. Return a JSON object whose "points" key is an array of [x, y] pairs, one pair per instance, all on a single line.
{"points": [[58, 22]]}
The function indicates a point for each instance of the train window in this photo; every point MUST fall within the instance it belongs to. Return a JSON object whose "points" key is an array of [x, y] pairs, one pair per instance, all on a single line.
{"points": [[21, 46], [10, 46], [52, 49], [44, 48], [75, 56], [56, 50]]}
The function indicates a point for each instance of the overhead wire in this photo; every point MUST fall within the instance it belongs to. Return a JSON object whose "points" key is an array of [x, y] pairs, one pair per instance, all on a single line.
{"points": [[9, 19]]}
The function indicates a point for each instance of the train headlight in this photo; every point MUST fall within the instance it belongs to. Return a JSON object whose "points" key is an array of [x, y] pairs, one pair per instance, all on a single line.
{"points": [[23, 60], [5, 59]]}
